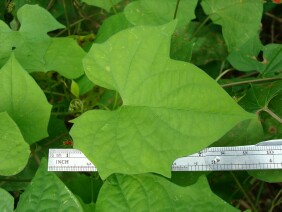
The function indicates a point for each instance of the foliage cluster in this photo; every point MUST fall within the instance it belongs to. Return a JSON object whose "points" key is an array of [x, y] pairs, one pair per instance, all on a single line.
{"points": [[135, 84]]}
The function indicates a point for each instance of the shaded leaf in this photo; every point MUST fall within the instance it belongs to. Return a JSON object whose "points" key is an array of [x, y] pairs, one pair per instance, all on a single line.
{"points": [[14, 151], [6, 201], [238, 26], [205, 46], [245, 133], [24, 101], [149, 192], [272, 63], [105, 4], [47, 192], [84, 84], [259, 96], [35, 50], [164, 113], [158, 12]]}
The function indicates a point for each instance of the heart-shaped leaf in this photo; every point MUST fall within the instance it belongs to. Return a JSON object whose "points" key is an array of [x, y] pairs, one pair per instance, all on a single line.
{"points": [[170, 108]]}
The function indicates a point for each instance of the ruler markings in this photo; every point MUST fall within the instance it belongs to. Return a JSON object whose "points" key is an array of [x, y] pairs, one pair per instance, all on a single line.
{"points": [[264, 155]]}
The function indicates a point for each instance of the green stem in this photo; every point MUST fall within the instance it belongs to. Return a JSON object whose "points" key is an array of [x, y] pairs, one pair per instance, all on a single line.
{"points": [[223, 73], [276, 201], [200, 27], [113, 6], [272, 114], [259, 193], [73, 24], [36, 158], [176, 9], [250, 81], [50, 5], [244, 192], [66, 16], [54, 93]]}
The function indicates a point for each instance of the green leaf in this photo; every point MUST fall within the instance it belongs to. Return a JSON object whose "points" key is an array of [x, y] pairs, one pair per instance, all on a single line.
{"points": [[35, 50], [111, 26], [157, 12], [238, 25], [149, 192], [14, 151], [105, 4], [6, 201], [43, 23], [65, 56], [272, 63], [170, 108], [245, 57], [47, 192], [24, 101]]}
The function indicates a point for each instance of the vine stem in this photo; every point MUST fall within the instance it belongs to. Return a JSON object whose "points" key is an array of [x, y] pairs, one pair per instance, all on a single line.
{"points": [[250, 81], [200, 27], [276, 201], [113, 6], [271, 113], [66, 16], [73, 24], [244, 192], [259, 192], [176, 9], [223, 73]]}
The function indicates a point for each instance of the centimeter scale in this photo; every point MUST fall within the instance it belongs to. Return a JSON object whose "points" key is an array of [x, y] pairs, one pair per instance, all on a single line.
{"points": [[262, 156]]}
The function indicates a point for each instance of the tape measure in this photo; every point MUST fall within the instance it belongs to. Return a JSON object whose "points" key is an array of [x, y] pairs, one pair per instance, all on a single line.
{"points": [[262, 156]]}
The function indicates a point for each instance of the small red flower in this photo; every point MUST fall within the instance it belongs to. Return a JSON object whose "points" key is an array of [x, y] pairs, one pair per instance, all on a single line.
{"points": [[276, 1], [68, 143]]}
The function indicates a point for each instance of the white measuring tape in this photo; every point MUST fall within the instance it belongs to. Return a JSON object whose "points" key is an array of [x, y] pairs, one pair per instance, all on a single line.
{"points": [[262, 156]]}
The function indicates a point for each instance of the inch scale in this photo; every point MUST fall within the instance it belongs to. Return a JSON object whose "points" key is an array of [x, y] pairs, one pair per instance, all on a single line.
{"points": [[262, 156]]}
